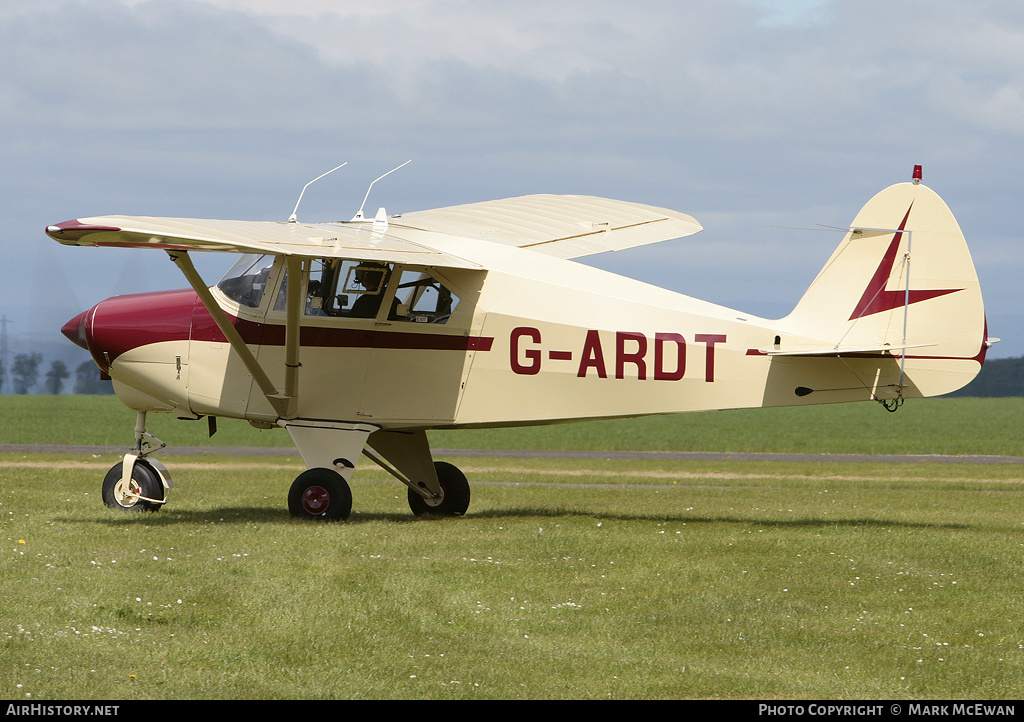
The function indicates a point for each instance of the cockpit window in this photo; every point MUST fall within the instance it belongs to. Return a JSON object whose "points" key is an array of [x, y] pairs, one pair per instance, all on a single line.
{"points": [[353, 289], [421, 298], [247, 279], [340, 288]]}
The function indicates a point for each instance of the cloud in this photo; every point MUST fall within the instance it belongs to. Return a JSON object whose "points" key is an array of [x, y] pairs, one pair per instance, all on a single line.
{"points": [[749, 114]]}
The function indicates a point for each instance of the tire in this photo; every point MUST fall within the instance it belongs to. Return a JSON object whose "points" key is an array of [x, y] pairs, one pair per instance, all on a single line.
{"points": [[320, 494], [145, 482], [456, 493]]}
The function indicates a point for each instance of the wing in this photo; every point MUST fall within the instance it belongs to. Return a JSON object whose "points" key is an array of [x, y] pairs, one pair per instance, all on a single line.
{"points": [[561, 226], [327, 240]]}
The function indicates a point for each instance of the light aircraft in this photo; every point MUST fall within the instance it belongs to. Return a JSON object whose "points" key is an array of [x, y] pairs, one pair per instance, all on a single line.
{"points": [[359, 336]]}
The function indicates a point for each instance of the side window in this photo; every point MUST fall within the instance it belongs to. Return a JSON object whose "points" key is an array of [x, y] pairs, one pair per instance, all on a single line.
{"points": [[421, 298], [247, 279], [350, 289], [281, 304]]}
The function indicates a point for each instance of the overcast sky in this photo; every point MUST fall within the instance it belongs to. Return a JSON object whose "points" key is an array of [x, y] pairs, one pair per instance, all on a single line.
{"points": [[758, 117]]}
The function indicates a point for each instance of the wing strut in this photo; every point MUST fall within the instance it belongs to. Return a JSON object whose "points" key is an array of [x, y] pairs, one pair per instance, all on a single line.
{"points": [[284, 403], [293, 265]]}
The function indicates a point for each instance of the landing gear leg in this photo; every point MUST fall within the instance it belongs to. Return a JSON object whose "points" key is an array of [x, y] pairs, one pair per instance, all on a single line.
{"points": [[435, 487]]}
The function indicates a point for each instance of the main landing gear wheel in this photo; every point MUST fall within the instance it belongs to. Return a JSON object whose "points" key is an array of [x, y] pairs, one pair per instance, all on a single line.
{"points": [[320, 494], [144, 483], [455, 499]]}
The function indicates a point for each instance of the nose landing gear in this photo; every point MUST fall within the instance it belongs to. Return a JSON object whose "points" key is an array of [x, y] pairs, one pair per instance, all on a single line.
{"points": [[138, 483]]}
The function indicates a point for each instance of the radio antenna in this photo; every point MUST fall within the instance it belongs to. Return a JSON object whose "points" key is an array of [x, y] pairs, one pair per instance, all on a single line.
{"points": [[359, 216], [293, 218]]}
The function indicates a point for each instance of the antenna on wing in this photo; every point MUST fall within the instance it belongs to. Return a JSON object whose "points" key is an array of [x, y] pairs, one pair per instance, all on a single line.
{"points": [[359, 216], [293, 218]]}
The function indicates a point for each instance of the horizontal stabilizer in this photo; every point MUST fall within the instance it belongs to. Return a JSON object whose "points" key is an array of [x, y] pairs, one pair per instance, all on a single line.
{"points": [[841, 350]]}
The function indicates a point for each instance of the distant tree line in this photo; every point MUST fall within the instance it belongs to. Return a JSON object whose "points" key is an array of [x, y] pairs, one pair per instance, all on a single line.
{"points": [[998, 377], [24, 377]]}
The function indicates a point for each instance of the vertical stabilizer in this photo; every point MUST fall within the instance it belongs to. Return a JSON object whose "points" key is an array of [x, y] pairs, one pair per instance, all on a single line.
{"points": [[901, 280]]}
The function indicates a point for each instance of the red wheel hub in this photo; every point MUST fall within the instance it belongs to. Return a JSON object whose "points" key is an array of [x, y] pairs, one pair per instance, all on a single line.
{"points": [[315, 499]]}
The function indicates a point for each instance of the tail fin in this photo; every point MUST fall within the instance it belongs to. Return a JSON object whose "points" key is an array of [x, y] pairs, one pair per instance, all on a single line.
{"points": [[901, 284]]}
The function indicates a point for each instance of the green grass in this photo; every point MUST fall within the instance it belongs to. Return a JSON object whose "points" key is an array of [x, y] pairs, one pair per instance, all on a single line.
{"points": [[569, 578], [588, 579], [921, 426]]}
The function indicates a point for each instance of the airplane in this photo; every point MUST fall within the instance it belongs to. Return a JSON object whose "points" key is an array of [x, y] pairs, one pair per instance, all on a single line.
{"points": [[359, 336]]}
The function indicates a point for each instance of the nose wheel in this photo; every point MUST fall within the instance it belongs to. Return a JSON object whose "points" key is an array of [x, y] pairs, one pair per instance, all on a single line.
{"points": [[138, 482], [142, 492]]}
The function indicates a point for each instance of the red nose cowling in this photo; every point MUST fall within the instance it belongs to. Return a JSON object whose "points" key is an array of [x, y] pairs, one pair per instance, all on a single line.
{"points": [[122, 323]]}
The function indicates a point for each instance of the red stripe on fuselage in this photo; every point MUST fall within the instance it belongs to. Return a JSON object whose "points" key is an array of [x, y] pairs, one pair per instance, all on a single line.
{"points": [[272, 334], [122, 323]]}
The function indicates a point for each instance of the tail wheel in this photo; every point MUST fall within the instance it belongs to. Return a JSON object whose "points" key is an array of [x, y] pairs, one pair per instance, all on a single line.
{"points": [[320, 494], [455, 499], [145, 482]]}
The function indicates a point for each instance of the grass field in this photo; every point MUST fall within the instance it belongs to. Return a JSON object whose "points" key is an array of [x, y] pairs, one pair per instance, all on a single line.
{"points": [[921, 426], [569, 578]]}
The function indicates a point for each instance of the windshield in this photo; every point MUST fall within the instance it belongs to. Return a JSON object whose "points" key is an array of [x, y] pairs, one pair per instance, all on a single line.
{"points": [[247, 279]]}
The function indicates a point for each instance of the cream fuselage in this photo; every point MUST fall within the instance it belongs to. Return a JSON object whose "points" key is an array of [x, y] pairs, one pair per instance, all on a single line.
{"points": [[543, 340]]}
